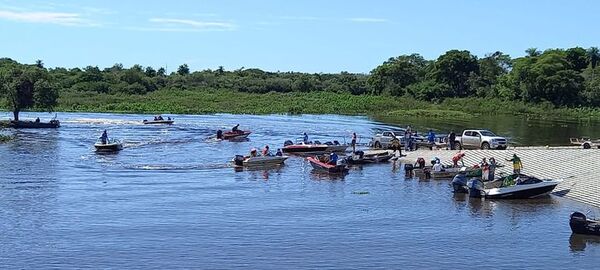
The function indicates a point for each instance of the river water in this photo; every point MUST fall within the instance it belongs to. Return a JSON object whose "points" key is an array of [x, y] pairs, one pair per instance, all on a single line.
{"points": [[170, 200]]}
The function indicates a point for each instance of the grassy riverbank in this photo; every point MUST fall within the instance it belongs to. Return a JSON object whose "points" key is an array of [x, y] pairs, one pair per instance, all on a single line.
{"points": [[231, 101]]}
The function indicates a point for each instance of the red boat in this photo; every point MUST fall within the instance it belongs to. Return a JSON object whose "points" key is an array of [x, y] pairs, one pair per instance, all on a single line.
{"points": [[234, 135], [330, 168]]}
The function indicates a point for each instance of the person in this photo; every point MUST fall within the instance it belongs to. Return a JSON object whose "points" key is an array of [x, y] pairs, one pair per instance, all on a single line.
{"points": [[492, 169], [437, 167], [459, 182], [279, 153], [333, 158], [169, 118], [407, 136], [353, 142], [431, 138], [253, 152], [160, 118], [452, 139], [265, 151], [517, 165], [37, 120], [305, 138], [420, 163], [485, 169], [219, 134], [395, 144], [235, 128], [458, 157], [104, 137]]}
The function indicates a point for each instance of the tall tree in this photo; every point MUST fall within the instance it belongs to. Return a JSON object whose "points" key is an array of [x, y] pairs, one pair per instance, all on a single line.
{"points": [[395, 74], [578, 58], [183, 70], [39, 63], [26, 87], [533, 52], [593, 55], [454, 68]]}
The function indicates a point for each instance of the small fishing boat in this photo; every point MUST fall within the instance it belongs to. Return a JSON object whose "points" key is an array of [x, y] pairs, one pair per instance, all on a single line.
{"points": [[34, 124], [319, 165], [304, 148], [258, 161], [518, 186], [449, 173], [110, 146], [370, 156], [158, 122], [580, 224], [236, 135]]}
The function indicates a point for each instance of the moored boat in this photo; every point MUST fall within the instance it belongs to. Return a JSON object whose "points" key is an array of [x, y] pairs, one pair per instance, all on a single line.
{"points": [[580, 224], [319, 165], [110, 146], [243, 161], [370, 156], [304, 148], [518, 186], [449, 173]]}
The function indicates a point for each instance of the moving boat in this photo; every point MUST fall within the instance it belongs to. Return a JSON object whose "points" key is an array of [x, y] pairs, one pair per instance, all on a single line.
{"points": [[370, 156], [243, 161], [235, 135], [319, 165], [517, 186], [158, 122], [110, 146], [33, 124], [580, 224]]}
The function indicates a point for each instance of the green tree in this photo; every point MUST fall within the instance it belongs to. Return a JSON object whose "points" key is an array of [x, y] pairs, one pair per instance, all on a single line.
{"points": [[454, 68], [161, 72], [593, 55], [26, 87], [578, 58], [183, 70], [39, 63], [395, 74], [150, 72], [533, 52]]}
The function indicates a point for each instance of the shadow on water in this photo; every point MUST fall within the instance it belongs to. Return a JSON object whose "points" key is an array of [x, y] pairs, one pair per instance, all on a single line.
{"points": [[578, 242]]}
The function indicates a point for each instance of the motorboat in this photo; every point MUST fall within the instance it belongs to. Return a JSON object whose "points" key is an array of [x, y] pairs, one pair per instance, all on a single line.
{"points": [[516, 186], [109, 146], [449, 173], [370, 156], [313, 148], [580, 224], [158, 122], [236, 135], [321, 165], [246, 161], [34, 124]]}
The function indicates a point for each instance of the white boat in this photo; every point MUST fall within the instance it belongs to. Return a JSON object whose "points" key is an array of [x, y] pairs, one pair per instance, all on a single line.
{"points": [[109, 146], [243, 161], [512, 187]]}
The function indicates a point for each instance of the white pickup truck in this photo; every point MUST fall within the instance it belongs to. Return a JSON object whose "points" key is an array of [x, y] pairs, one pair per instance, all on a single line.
{"points": [[480, 139], [384, 139]]}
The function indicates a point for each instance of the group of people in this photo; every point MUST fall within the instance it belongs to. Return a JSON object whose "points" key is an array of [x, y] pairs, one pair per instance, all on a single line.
{"points": [[160, 118], [266, 152]]}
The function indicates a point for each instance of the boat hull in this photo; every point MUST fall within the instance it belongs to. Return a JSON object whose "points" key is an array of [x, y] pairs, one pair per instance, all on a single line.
{"points": [[110, 147], [261, 161], [159, 122], [324, 167], [236, 135], [521, 191], [30, 124], [304, 149]]}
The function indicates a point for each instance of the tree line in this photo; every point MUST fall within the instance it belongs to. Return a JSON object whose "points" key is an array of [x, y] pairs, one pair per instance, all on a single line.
{"points": [[562, 77]]}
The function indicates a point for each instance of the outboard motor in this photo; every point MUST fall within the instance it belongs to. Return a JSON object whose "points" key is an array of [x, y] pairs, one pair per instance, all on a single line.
{"points": [[219, 134], [288, 143], [459, 184], [408, 170], [336, 142], [238, 160], [476, 188]]}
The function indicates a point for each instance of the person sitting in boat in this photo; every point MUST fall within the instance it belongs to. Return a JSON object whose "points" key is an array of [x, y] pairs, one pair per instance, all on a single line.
{"points": [[437, 167], [104, 137], [279, 153], [37, 120], [236, 129], [169, 118], [458, 157], [265, 151], [219, 134], [333, 158], [305, 139], [253, 152], [159, 118]]}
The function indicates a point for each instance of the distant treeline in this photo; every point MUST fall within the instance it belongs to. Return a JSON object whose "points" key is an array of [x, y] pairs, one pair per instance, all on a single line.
{"points": [[560, 77]]}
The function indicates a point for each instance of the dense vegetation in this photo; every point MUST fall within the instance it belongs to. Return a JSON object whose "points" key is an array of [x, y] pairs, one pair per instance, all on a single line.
{"points": [[564, 81]]}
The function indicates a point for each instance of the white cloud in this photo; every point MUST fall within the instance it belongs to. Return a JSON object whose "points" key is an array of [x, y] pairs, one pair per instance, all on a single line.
{"points": [[185, 25], [60, 18], [368, 20]]}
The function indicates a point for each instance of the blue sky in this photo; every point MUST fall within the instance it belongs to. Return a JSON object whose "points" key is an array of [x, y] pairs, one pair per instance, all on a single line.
{"points": [[307, 35]]}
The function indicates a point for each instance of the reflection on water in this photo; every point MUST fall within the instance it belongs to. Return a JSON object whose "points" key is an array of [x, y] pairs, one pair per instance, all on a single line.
{"points": [[172, 199], [578, 242]]}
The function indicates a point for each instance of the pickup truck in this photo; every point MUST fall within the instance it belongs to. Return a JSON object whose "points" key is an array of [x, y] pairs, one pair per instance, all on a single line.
{"points": [[480, 139], [384, 139]]}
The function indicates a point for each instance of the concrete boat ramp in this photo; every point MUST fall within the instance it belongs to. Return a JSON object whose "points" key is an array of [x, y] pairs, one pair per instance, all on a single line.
{"points": [[579, 168]]}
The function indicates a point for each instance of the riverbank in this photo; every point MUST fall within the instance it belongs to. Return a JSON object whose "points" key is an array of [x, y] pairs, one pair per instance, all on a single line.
{"points": [[230, 101]]}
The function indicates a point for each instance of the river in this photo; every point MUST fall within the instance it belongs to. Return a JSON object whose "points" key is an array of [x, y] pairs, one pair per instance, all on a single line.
{"points": [[170, 200]]}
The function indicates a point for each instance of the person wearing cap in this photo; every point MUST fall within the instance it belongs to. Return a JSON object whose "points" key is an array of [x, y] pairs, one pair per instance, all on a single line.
{"points": [[460, 181], [437, 167], [253, 152]]}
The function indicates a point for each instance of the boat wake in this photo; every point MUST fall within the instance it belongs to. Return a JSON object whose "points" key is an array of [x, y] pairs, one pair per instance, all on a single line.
{"points": [[100, 121]]}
